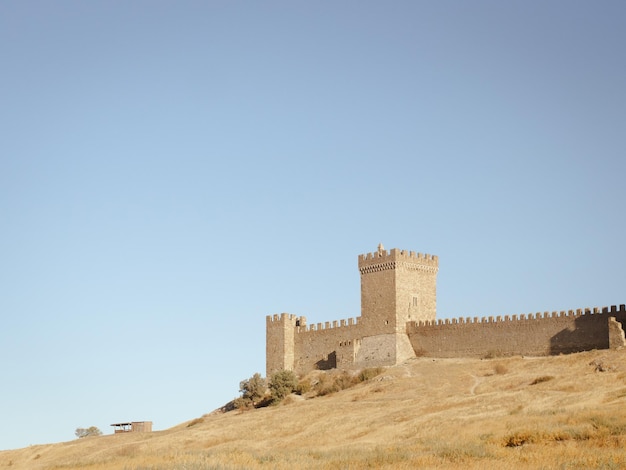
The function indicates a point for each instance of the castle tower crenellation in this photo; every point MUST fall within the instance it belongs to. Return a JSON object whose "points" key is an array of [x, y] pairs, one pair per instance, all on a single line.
{"points": [[396, 254], [397, 286]]}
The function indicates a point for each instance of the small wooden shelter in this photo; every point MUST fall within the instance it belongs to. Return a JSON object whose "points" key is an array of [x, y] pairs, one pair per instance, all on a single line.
{"points": [[133, 426]]}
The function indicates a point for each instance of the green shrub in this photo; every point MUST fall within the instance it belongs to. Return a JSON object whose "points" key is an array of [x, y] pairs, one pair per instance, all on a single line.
{"points": [[90, 431], [282, 384], [252, 392]]}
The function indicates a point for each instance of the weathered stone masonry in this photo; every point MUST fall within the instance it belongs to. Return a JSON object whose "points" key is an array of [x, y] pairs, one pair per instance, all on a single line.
{"points": [[397, 322], [539, 334]]}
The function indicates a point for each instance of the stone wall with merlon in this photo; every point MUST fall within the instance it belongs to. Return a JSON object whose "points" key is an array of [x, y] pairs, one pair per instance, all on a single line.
{"points": [[532, 335], [322, 345]]}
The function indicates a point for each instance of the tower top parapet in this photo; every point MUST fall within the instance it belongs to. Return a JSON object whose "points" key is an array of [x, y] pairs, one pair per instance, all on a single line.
{"points": [[369, 262]]}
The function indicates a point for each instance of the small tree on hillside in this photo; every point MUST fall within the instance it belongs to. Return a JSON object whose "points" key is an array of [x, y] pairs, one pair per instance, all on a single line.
{"points": [[90, 431], [282, 384], [252, 391]]}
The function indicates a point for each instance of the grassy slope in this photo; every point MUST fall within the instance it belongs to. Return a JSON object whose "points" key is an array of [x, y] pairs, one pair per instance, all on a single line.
{"points": [[444, 413]]}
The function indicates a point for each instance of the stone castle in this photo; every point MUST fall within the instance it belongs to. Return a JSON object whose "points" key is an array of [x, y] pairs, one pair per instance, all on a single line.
{"points": [[398, 322]]}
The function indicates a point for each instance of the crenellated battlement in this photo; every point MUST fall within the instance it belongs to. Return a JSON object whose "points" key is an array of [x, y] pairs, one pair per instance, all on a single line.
{"points": [[300, 323], [391, 259], [280, 317], [335, 324], [613, 309], [533, 334]]}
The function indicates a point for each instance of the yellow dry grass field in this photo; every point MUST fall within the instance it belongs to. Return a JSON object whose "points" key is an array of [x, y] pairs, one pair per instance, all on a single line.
{"points": [[561, 412]]}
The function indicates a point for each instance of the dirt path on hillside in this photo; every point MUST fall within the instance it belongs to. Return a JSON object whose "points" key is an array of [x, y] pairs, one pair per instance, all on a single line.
{"points": [[477, 381]]}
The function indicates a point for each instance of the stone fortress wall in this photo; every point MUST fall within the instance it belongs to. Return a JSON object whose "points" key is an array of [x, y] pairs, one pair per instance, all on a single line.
{"points": [[539, 334], [397, 322]]}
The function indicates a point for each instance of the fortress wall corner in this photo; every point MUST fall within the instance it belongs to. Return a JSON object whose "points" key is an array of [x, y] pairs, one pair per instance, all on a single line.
{"points": [[617, 339]]}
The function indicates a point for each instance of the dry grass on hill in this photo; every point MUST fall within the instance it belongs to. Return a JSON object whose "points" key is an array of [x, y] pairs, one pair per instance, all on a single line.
{"points": [[564, 412]]}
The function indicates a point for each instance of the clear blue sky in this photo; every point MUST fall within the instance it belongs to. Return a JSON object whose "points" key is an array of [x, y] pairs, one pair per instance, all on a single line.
{"points": [[173, 172]]}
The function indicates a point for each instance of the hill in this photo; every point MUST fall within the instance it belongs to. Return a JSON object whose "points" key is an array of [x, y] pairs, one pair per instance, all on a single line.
{"points": [[559, 412]]}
